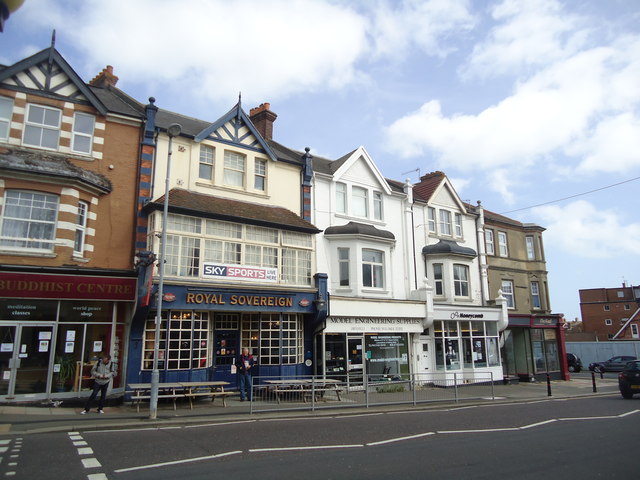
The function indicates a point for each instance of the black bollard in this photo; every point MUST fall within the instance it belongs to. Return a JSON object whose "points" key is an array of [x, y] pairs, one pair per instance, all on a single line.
{"points": [[593, 382], [548, 385]]}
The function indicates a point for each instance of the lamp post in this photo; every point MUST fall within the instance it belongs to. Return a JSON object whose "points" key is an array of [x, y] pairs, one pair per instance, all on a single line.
{"points": [[173, 131]]}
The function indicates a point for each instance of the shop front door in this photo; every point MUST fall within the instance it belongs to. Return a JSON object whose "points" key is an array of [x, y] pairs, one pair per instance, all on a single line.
{"points": [[424, 357], [355, 362], [225, 353], [25, 354]]}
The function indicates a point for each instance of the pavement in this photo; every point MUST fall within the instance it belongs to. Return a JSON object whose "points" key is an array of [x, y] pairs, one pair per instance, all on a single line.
{"points": [[44, 418]]}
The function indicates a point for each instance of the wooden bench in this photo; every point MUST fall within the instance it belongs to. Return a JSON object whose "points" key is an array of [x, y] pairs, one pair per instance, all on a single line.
{"points": [[136, 399]]}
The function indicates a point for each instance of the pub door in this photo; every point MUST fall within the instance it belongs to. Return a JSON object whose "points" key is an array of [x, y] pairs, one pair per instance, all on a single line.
{"points": [[226, 349]]}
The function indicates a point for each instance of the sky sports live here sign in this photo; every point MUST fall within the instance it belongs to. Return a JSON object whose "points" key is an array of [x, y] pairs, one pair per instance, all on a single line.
{"points": [[240, 272]]}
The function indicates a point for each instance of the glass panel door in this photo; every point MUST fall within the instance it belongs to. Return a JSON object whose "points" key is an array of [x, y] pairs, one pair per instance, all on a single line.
{"points": [[7, 346], [355, 365], [35, 347]]}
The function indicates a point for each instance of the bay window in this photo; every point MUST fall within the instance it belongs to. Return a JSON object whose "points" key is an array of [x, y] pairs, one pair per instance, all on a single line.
{"points": [[29, 220], [372, 268]]}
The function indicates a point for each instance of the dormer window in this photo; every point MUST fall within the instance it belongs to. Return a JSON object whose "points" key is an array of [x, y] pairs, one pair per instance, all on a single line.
{"points": [[234, 167], [341, 198], [6, 107], [42, 128], [82, 132], [359, 202], [377, 206], [445, 222]]}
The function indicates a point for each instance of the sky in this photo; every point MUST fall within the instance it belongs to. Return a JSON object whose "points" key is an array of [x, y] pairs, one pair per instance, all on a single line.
{"points": [[532, 107]]}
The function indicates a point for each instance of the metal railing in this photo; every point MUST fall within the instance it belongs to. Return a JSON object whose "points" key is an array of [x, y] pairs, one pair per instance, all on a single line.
{"points": [[314, 393]]}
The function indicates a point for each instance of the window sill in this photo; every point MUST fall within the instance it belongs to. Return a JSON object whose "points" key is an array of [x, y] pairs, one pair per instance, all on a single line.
{"points": [[27, 253], [379, 291], [360, 219], [79, 258], [230, 188]]}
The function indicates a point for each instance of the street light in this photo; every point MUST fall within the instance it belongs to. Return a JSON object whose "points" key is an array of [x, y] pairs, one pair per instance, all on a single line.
{"points": [[173, 131]]}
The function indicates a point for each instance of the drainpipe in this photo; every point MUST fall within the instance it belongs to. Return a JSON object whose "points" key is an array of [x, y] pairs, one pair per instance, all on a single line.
{"points": [[482, 254]]}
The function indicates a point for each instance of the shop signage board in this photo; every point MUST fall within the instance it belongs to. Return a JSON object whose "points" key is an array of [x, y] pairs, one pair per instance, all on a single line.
{"points": [[66, 287], [239, 272], [372, 324], [473, 314]]}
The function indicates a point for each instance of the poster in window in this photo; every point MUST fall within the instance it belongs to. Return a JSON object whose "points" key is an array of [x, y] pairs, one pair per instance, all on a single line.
{"points": [[97, 346], [44, 335], [71, 335], [6, 347], [68, 347], [43, 346]]}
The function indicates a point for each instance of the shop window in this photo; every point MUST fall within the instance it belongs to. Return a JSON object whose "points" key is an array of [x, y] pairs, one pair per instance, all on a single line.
{"points": [[184, 341], [260, 175], [466, 344], [205, 170], [83, 125], [372, 268], [281, 339], [251, 333], [387, 354], [234, 169], [29, 220], [42, 127], [461, 280], [545, 350], [343, 266], [6, 109]]}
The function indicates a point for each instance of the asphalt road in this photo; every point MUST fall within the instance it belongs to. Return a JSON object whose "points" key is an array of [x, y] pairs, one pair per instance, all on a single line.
{"points": [[568, 439]]}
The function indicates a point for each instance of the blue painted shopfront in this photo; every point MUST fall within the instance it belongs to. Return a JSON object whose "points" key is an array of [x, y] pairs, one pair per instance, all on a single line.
{"points": [[209, 326]]}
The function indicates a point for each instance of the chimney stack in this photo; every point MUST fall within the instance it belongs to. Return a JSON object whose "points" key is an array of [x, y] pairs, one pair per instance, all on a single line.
{"points": [[263, 118], [105, 78]]}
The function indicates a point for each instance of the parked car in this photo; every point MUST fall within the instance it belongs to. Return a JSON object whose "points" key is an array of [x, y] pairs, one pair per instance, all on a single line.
{"points": [[629, 379], [614, 364], [574, 362]]}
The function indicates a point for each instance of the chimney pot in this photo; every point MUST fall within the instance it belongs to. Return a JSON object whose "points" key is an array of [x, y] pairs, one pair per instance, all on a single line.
{"points": [[262, 118]]}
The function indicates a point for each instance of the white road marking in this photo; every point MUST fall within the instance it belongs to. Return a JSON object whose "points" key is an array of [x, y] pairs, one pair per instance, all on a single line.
{"points": [[177, 462], [222, 423], [400, 439], [359, 415], [5, 442], [85, 451], [482, 430], [538, 424], [603, 417], [91, 463], [313, 447], [97, 476], [80, 443], [628, 413]]}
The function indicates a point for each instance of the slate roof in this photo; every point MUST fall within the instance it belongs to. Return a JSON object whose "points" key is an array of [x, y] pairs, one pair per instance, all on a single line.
{"points": [[448, 247], [52, 165], [191, 203], [355, 228]]}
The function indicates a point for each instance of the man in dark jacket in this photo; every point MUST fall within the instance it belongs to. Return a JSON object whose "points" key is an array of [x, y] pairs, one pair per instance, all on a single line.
{"points": [[102, 372], [244, 363]]}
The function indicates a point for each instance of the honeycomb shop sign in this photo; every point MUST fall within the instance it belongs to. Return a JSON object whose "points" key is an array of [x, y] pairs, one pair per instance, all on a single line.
{"points": [[239, 272]]}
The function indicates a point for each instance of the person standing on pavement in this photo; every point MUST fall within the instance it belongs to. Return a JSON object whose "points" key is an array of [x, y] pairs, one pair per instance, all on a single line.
{"points": [[244, 363], [102, 372]]}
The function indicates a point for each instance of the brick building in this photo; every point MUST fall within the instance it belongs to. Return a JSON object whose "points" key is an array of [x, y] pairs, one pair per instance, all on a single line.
{"points": [[611, 313]]}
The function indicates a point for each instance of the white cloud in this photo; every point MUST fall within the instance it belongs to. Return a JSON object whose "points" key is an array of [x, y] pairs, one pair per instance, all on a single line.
{"points": [[582, 229], [567, 108], [398, 26], [527, 34], [215, 48]]}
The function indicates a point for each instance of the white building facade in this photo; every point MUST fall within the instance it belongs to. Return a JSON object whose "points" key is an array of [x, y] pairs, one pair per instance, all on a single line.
{"points": [[406, 293]]}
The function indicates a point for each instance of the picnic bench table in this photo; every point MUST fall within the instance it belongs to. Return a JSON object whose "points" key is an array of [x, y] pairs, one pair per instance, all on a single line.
{"points": [[304, 387], [142, 391], [213, 389]]}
